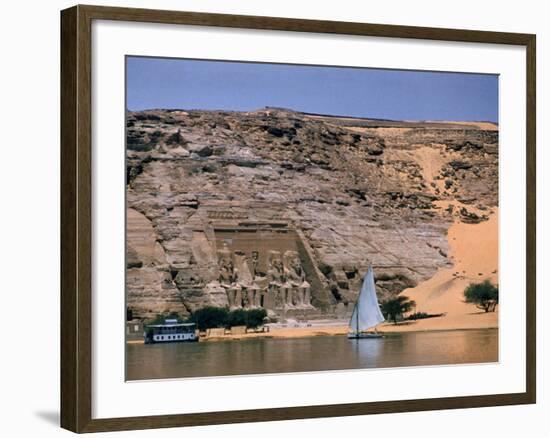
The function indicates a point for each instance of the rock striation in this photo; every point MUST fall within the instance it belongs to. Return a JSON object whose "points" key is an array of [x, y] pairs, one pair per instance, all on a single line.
{"points": [[339, 192]]}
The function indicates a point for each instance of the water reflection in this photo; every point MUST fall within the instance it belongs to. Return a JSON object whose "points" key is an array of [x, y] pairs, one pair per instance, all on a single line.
{"points": [[319, 353]]}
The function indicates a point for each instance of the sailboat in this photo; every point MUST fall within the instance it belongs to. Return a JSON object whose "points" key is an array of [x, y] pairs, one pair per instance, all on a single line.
{"points": [[366, 313]]}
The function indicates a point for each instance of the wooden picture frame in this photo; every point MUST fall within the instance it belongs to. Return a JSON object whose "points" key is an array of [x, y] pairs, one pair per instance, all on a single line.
{"points": [[76, 217]]}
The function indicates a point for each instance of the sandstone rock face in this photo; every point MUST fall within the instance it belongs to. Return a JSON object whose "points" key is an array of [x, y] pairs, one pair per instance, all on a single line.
{"points": [[341, 192], [148, 279]]}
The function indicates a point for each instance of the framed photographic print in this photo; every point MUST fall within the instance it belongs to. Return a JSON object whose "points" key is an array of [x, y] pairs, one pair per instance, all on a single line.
{"points": [[268, 218]]}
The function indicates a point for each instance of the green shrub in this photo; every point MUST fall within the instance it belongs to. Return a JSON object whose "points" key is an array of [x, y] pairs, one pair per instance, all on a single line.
{"points": [[237, 317], [423, 315], [483, 295], [255, 317], [210, 317], [395, 307], [215, 317]]}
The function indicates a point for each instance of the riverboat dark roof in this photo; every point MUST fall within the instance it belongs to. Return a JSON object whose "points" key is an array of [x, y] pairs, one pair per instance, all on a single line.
{"points": [[182, 324]]}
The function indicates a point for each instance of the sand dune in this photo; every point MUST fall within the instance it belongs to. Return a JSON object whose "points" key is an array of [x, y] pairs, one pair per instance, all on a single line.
{"points": [[474, 251], [486, 126]]}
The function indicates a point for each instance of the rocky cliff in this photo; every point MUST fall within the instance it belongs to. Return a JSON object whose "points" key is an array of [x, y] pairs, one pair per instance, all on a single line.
{"points": [[349, 191]]}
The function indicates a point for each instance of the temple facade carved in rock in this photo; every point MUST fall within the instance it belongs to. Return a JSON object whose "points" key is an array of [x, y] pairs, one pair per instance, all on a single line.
{"points": [[283, 286]]}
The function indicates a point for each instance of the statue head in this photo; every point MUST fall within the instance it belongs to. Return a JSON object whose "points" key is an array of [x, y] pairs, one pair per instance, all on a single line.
{"points": [[274, 259], [292, 260], [224, 255]]}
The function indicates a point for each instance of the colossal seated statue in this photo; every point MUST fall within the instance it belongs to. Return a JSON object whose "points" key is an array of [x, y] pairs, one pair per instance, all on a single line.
{"points": [[298, 287], [256, 272], [241, 266], [244, 289], [275, 277], [228, 274]]}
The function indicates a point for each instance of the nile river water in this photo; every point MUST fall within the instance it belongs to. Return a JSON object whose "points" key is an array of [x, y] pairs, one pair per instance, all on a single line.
{"points": [[268, 355]]}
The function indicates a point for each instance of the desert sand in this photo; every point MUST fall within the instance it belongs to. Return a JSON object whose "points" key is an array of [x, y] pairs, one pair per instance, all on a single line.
{"points": [[474, 251]]}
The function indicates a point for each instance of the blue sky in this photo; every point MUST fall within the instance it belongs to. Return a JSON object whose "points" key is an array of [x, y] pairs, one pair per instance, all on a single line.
{"points": [[361, 92]]}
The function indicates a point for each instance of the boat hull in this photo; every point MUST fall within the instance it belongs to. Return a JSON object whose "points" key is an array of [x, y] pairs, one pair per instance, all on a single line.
{"points": [[365, 336], [165, 339]]}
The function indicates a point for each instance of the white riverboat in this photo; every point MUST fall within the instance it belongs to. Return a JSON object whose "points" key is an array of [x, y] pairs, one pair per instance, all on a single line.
{"points": [[170, 331]]}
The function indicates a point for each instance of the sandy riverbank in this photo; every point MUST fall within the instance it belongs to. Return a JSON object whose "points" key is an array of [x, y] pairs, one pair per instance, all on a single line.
{"points": [[433, 324], [474, 320]]}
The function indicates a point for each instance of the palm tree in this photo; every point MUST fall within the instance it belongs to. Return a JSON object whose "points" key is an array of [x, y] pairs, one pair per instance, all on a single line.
{"points": [[395, 307]]}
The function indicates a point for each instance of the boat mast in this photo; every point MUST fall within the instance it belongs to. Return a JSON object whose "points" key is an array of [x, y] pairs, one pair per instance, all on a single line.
{"points": [[357, 312]]}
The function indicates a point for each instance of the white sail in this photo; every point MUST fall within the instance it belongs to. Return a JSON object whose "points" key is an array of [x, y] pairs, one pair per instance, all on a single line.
{"points": [[366, 313]]}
